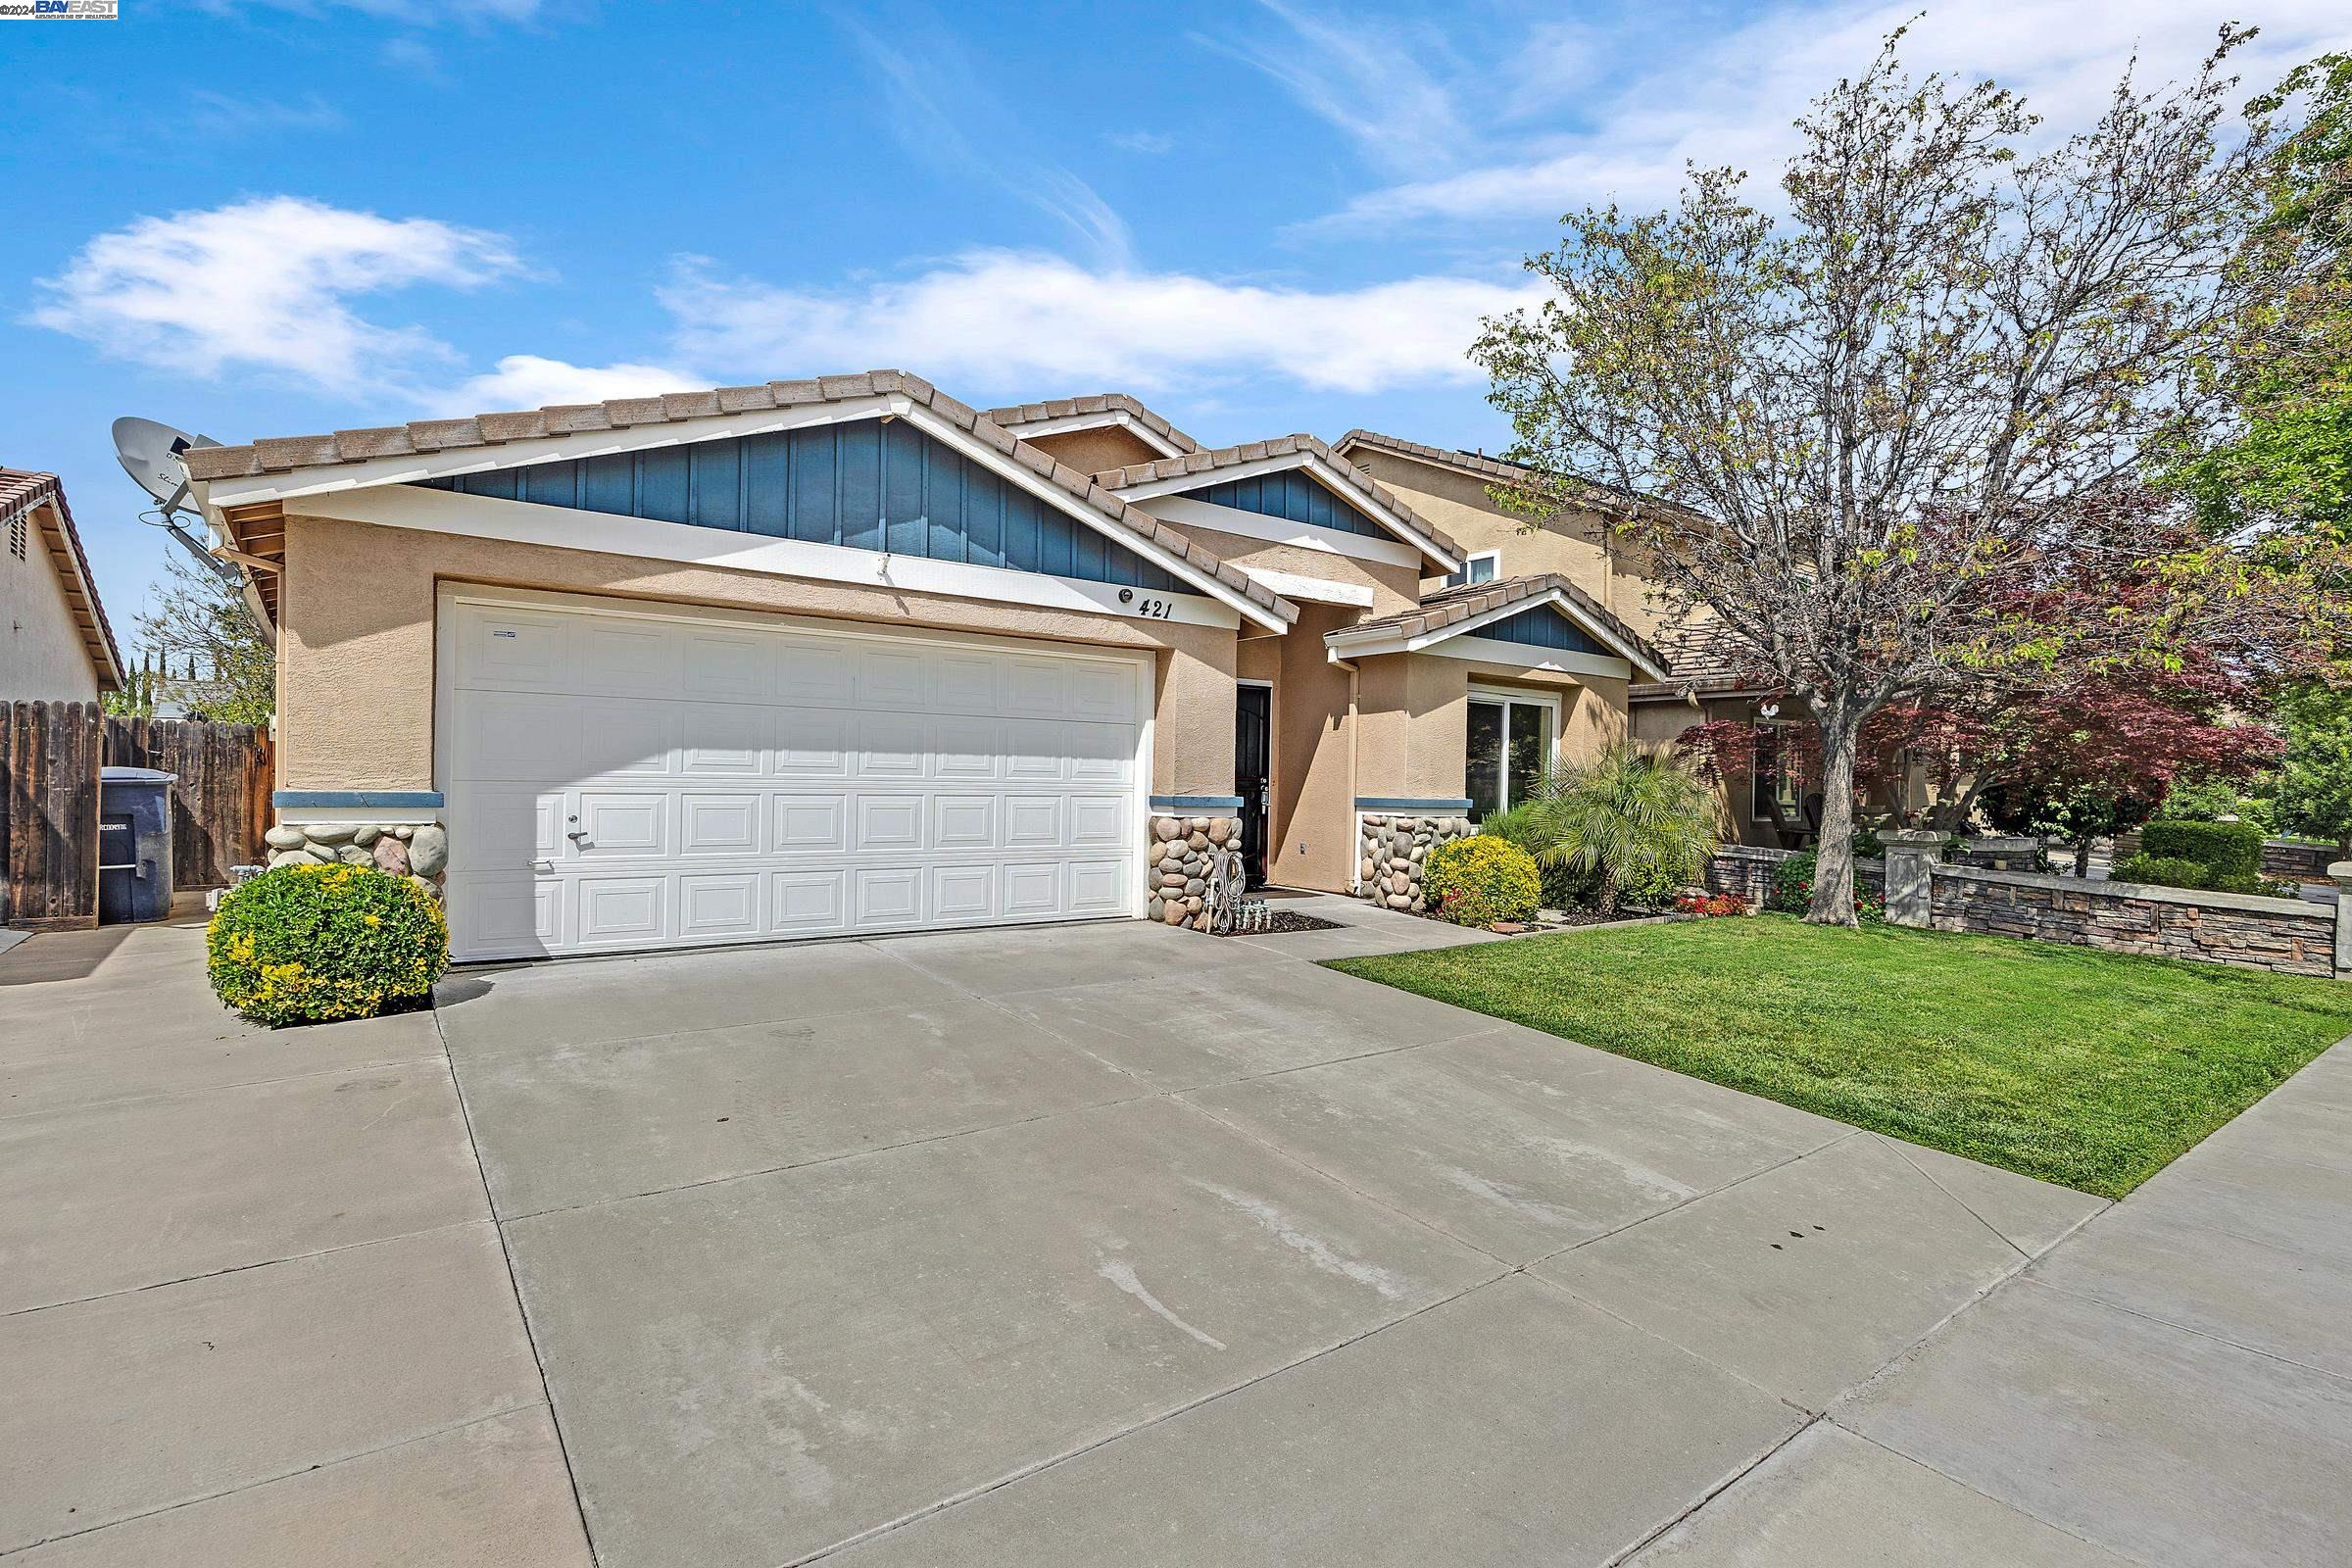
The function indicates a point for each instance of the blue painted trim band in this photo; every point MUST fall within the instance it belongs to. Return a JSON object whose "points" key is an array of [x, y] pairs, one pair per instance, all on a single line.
{"points": [[1405, 802], [373, 800], [1195, 803]]}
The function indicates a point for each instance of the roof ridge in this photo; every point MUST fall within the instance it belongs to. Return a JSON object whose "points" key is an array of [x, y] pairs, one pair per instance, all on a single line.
{"points": [[287, 454], [1445, 606], [1013, 414], [1208, 462]]}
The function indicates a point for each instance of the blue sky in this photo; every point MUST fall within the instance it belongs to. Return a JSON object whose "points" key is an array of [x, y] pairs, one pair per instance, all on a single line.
{"points": [[263, 218]]}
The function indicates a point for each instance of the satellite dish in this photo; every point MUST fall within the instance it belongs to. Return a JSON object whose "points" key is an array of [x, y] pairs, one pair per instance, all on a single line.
{"points": [[150, 454]]}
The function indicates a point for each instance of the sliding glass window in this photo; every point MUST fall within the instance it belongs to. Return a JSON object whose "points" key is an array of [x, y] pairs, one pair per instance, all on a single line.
{"points": [[1510, 748]]}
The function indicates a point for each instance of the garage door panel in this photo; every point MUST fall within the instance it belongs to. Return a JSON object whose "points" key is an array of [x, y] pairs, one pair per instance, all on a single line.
{"points": [[812, 823], [892, 745], [886, 895], [729, 783], [813, 743], [808, 903], [715, 824], [887, 822], [623, 910], [628, 658], [619, 825], [718, 903]]}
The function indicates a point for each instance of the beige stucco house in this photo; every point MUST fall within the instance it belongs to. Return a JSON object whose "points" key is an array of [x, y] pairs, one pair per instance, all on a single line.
{"points": [[58, 647], [1707, 680], [828, 657]]}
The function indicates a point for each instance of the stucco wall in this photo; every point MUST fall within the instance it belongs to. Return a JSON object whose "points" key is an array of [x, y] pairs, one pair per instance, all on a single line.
{"points": [[1393, 588], [1098, 449], [1576, 543], [1313, 833], [356, 653], [1415, 712], [43, 659]]}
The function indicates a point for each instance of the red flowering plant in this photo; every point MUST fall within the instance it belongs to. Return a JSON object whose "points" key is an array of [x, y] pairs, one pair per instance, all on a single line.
{"points": [[1706, 904]]}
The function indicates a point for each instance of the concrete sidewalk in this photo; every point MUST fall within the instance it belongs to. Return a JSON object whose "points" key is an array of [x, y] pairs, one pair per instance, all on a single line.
{"points": [[252, 1305], [2172, 1385]]}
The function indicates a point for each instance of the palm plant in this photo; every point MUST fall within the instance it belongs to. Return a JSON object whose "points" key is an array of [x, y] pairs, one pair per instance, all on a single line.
{"points": [[1633, 817]]}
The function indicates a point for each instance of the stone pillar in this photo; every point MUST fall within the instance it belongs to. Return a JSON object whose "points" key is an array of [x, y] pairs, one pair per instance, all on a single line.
{"points": [[2341, 874], [1393, 851], [1998, 851], [1912, 855], [1183, 849]]}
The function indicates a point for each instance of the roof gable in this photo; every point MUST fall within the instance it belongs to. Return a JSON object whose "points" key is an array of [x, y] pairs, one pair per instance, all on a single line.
{"points": [[1058, 415], [1543, 611], [27, 495], [1188, 474], [863, 485], [1547, 627], [1293, 495]]}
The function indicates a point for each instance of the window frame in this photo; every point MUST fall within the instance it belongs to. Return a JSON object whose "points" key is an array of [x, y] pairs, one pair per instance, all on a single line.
{"points": [[1463, 579], [1506, 699]]}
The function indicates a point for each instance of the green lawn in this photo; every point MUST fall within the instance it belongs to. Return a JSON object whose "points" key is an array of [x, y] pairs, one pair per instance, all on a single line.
{"points": [[2079, 1067]]}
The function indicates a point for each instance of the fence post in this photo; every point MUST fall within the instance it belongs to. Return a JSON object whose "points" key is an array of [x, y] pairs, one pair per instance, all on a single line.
{"points": [[1911, 856], [2341, 874]]}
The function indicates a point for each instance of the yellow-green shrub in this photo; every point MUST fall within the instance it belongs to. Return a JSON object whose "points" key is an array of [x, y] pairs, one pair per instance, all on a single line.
{"points": [[305, 944], [1482, 879]]}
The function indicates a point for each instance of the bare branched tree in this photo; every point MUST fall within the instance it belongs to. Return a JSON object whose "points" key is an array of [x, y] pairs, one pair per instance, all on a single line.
{"points": [[1863, 426], [200, 624]]}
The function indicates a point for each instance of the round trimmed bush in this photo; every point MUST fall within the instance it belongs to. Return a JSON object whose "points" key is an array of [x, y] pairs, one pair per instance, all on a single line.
{"points": [[1482, 879], [308, 944]]}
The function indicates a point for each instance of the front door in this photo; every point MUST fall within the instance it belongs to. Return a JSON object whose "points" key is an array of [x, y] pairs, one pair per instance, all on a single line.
{"points": [[1252, 772]]}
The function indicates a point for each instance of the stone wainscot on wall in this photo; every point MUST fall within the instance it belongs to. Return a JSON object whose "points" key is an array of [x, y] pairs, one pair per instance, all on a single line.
{"points": [[1183, 849], [418, 851], [1391, 853]]}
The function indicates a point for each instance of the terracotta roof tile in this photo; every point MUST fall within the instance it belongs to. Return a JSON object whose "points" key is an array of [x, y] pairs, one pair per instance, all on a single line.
{"points": [[1705, 656], [1448, 607], [1480, 466], [1021, 414], [1197, 461]]}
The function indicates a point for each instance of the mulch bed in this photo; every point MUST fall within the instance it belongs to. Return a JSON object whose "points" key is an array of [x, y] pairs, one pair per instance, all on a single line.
{"points": [[1282, 923]]}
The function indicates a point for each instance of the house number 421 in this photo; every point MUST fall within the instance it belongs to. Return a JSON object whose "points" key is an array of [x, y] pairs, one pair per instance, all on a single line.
{"points": [[1149, 606]]}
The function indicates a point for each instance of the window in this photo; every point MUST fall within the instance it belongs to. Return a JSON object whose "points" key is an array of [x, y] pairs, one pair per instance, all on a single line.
{"points": [[1771, 782], [1509, 750], [1478, 568]]}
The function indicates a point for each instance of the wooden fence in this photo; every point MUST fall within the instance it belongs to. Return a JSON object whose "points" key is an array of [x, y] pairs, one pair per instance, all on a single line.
{"points": [[50, 754]]}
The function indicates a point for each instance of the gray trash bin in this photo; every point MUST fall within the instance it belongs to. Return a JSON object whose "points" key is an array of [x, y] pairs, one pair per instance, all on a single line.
{"points": [[134, 845]]}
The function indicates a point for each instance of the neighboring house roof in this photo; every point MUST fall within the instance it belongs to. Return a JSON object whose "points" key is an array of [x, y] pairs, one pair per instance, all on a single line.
{"points": [[1451, 612], [1172, 475], [22, 491], [1479, 466], [1090, 412], [1707, 659], [316, 459]]}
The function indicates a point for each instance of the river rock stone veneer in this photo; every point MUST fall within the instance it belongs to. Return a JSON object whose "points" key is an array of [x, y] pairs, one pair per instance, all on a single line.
{"points": [[1391, 853], [1182, 850], [416, 850]]}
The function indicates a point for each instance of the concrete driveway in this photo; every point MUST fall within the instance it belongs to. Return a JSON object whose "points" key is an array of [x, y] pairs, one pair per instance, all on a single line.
{"points": [[1086, 1244]]}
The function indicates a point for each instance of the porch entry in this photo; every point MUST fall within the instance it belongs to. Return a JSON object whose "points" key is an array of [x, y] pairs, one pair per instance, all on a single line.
{"points": [[1510, 748], [1252, 772]]}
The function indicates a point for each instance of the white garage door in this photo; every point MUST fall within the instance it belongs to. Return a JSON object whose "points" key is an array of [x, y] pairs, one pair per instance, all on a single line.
{"points": [[623, 780]]}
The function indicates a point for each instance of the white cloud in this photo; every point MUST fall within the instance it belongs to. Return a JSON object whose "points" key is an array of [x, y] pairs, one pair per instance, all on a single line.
{"points": [[528, 382], [999, 320], [1149, 143], [1731, 100], [1375, 84], [266, 284]]}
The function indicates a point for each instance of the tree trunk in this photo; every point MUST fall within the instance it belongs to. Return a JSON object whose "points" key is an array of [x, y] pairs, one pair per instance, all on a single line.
{"points": [[2082, 859], [1604, 900], [1834, 851]]}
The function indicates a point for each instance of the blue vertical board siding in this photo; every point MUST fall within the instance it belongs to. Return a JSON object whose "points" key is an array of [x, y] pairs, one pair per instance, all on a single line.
{"points": [[1545, 627], [1294, 496], [866, 485]]}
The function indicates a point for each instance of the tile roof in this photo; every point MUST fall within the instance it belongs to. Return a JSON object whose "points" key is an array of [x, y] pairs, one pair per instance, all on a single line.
{"points": [[22, 490], [1019, 414], [287, 454], [1705, 656], [1448, 607], [1207, 463], [1480, 466]]}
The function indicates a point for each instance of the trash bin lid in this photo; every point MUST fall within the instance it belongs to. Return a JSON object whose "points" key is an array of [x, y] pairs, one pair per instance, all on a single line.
{"points": [[134, 775]]}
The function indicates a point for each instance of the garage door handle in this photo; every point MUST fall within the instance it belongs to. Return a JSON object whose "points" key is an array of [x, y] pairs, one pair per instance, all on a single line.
{"points": [[544, 867]]}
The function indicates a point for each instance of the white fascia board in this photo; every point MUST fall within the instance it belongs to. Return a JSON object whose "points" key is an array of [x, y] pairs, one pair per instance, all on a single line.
{"points": [[1534, 661], [578, 445], [1318, 589], [1388, 642], [1182, 510], [1030, 430], [1339, 481], [1047, 491], [529, 522]]}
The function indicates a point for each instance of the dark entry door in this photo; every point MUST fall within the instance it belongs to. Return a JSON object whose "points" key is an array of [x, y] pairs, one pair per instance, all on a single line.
{"points": [[1252, 772]]}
